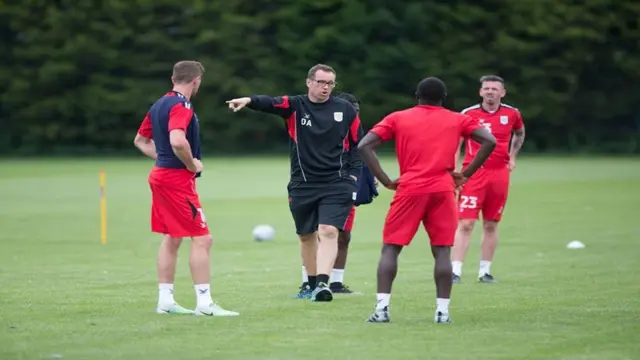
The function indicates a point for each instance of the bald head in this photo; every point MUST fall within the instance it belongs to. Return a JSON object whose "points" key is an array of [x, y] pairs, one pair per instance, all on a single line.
{"points": [[431, 91]]}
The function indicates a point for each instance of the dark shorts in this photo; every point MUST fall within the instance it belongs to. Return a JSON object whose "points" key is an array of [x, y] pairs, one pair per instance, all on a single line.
{"points": [[314, 204]]}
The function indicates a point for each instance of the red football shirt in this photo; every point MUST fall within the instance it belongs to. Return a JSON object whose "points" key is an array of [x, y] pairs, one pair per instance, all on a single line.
{"points": [[501, 124], [426, 138]]}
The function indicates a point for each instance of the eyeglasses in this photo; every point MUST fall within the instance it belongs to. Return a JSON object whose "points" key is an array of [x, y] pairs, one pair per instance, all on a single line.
{"points": [[325, 82]]}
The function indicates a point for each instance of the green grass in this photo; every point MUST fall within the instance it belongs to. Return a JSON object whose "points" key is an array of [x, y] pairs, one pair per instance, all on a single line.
{"points": [[64, 295]]}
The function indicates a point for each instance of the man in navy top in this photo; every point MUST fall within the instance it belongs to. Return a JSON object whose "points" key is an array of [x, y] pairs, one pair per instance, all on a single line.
{"points": [[170, 134]]}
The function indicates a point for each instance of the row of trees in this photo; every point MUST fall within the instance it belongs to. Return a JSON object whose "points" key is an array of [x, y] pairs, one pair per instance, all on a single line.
{"points": [[79, 75]]}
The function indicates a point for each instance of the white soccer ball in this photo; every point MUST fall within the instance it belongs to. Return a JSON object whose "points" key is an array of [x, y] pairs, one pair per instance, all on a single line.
{"points": [[264, 233]]}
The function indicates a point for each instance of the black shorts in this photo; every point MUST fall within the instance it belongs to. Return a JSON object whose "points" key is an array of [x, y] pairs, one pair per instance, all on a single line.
{"points": [[314, 204]]}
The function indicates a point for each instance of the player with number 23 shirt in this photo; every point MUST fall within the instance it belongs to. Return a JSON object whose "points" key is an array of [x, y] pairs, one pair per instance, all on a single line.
{"points": [[487, 190]]}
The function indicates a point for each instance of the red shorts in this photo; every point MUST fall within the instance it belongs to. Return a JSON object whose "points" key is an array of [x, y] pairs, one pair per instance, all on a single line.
{"points": [[438, 212], [176, 209], [348, 225], [487, 190]]}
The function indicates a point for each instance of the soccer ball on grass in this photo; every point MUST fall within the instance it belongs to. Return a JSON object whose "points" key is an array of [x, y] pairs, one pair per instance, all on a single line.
{"points": [[264, 233]]}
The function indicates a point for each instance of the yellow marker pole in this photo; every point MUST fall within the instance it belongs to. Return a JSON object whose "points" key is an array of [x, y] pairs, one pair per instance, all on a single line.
{"points": [[103, 207]]}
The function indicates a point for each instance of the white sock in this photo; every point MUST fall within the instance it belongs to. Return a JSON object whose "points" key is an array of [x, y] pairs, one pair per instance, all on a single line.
{"points": [[165, 294], [337, 275], [457, 267], [203, 295], [305, 276], [383, 300], [485, 268], [442, 305]]}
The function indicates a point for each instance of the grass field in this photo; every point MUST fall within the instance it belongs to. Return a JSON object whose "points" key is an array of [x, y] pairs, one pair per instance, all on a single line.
{"points": [[64, 295]]}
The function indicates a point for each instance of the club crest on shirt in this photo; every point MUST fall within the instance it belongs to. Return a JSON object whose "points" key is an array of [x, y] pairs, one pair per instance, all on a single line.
{"points": [[504, 120], [337, 116]]}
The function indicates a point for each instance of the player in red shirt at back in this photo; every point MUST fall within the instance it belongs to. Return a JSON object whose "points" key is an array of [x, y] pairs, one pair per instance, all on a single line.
{"points": [[426, 138], [487, 190]]}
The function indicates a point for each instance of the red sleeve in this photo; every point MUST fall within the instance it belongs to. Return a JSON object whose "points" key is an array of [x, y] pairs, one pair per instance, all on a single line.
{"points": [[145, 128], [519, 124], [468, 124], [385, 129], [356, 130], [180, 116]]}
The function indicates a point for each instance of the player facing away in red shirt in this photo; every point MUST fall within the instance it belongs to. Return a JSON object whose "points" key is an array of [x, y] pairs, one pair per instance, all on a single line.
{"points": [[170, 134], [487, 190], [426, 138]]}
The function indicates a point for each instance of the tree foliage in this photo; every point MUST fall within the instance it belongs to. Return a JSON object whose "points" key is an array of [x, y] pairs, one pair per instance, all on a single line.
{"points": [[79, 76]]}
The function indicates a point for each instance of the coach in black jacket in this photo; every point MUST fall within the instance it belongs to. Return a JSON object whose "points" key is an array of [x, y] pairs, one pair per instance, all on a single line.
{"points": [[325, 165]]}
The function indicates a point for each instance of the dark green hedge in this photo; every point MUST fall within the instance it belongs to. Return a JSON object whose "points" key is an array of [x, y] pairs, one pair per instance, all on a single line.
{"points": [[79, 75]]}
